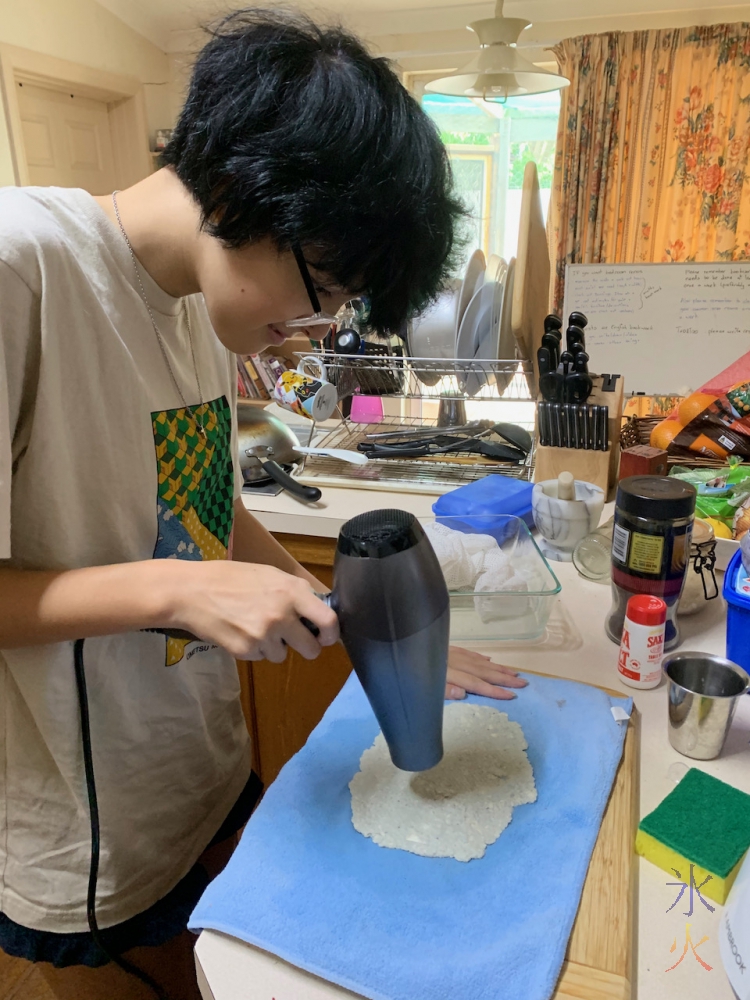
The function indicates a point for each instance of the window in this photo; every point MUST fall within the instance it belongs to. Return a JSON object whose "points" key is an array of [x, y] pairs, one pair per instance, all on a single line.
{"points": [[489, 146]]}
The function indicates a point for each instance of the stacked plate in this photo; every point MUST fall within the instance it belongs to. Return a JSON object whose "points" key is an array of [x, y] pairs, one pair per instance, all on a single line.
{"points": [[471, 322]]}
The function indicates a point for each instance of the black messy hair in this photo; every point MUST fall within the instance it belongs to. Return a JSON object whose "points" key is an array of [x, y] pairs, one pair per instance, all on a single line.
{"points": [[295, 132]]}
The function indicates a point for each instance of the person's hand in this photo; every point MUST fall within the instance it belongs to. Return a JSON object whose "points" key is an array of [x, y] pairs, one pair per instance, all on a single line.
{"points": [[252, 610], [472, 673]]}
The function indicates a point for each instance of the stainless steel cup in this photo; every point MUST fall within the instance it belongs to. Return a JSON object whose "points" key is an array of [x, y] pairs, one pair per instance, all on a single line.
{"points": [[452, 411], [703, 695]]}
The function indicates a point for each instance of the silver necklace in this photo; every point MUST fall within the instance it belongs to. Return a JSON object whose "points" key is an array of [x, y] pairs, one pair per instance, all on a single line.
{"points": [[198, 423]]}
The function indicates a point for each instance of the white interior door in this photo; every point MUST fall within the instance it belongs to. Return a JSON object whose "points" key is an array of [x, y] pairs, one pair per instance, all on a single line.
{"points": [[67, 139]]}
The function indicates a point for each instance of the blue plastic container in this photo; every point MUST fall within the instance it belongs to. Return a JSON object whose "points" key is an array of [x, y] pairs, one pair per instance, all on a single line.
{"points": [[494, 494], [737, 596]]}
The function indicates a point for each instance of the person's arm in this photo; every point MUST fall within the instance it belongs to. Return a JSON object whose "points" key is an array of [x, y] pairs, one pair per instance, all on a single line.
{"points": [[468, 671], [250, 607], [252, 611]]}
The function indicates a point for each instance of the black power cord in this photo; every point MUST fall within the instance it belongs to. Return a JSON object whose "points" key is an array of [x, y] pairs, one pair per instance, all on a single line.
{"points": [[88, 765]]}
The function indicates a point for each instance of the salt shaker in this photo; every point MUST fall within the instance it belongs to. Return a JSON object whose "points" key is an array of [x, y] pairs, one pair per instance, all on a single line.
{"points": [[642, 642]]}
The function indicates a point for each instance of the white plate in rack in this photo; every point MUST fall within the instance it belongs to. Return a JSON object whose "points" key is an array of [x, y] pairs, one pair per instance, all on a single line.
{"points": [[475, 330], [466, 343], [488, 328], [472, 282]]}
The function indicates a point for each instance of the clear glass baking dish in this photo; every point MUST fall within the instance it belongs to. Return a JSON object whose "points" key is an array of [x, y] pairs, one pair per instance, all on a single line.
{"points": [[502, 614]]}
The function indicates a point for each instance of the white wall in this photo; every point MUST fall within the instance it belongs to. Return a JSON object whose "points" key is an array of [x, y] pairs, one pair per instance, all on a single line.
{"points": [[84, 32], [180, 66], [7, 175]]}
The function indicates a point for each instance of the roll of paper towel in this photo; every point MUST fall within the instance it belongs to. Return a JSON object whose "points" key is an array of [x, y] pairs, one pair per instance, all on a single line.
{"points": [[734, 933]]}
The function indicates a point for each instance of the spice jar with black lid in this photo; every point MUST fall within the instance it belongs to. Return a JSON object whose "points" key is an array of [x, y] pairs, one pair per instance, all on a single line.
{"points": [[650, 547]]}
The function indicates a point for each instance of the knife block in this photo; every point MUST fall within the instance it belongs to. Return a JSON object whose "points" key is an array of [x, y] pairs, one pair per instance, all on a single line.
{"points": [[587, 465]]}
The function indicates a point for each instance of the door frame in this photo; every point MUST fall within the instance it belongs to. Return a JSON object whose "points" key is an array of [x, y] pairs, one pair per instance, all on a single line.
{"points": [[123, 96]]}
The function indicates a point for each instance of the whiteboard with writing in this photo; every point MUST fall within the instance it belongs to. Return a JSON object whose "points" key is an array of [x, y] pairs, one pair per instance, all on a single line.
{"points": [[663, 327]]}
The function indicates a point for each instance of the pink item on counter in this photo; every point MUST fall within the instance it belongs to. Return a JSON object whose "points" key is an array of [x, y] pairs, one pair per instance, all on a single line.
{"points": [[366, 409]]}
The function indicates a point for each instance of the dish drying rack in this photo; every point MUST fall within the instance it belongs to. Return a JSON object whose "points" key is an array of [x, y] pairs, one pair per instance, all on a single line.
{"points": [[410, 389]]}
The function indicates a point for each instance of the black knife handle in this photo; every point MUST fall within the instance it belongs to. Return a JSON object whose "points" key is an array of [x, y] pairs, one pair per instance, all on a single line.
{"points": [[595, 429], [579, 387], [557, 429], [578, 319], [544, 360], [581, 425], [573, 336], [551, 341], [576, 431], [541, 423]]}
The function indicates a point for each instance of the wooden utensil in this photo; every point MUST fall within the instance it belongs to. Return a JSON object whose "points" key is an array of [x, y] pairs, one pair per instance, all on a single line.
{"points": [[531, 290]]}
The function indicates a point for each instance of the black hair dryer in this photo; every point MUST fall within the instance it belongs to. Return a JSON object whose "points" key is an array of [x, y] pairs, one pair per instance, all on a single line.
{"points": [[392, 604]]}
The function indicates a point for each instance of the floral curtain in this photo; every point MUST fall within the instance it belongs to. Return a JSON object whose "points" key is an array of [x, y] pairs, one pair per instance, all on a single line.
{"points": [[652, 149]]}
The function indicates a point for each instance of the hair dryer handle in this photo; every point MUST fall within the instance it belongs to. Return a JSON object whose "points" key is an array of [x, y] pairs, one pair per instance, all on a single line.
{"points": [[311, 626]]}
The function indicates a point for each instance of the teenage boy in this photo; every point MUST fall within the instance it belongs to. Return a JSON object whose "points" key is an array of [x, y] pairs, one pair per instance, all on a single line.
{"points": [[300, 174]]}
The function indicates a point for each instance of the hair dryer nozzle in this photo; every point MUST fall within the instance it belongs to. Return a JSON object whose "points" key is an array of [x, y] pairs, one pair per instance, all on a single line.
{"points": [[393, 608], [379, 533]]}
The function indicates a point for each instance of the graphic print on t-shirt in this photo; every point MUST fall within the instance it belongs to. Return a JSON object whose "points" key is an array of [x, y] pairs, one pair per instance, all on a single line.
{"points": [[196, 488]]}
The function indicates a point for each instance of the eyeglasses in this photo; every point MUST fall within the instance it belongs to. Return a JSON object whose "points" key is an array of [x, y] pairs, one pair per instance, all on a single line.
{"points": [[318, 318]]}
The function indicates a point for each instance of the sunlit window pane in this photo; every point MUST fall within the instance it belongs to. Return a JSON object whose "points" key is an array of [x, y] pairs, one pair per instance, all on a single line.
{"points": [[489, 146]]}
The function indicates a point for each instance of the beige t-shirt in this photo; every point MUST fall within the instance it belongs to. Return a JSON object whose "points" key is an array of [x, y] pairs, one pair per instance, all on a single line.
{"points": [[100, 463]]}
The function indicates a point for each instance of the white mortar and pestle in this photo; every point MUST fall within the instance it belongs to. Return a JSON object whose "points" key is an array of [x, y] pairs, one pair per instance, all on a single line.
{"points": [[565, 510]]}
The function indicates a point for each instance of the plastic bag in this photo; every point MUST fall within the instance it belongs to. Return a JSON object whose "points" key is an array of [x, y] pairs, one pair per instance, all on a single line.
{"points": [[714, 425], [723, 494], [715, 420]]}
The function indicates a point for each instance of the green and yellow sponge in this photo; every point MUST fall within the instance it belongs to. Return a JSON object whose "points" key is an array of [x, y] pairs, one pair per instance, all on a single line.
{"points": [[703, 822]]}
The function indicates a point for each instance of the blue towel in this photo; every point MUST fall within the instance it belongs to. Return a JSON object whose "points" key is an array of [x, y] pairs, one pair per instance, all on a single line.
{"points": [[390, 925]]}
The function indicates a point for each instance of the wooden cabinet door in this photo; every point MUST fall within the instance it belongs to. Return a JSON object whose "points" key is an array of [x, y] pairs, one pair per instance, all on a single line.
{"points": [[284, 702]]}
